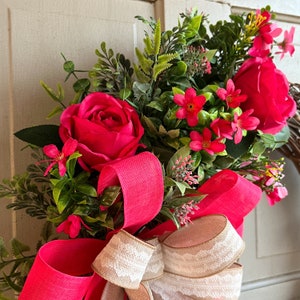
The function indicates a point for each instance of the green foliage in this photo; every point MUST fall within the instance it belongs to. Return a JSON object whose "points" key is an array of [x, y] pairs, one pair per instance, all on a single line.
{"points": [[112, 73], [14, 266], [30, 191]]}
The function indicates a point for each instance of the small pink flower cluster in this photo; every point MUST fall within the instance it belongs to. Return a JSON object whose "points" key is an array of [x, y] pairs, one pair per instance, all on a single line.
{"points": [[183, 172], [185, 212]]}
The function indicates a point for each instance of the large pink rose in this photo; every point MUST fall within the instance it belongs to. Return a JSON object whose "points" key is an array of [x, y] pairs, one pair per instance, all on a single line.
{"points": [[268, 93], [106, 129]]}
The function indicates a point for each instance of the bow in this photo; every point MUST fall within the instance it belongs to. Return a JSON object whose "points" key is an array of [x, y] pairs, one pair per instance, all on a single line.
{"points": [[178, 264]]}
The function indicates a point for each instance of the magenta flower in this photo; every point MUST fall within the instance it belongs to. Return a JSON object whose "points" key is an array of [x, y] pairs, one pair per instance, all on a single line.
{"points": [[243, 122], [204, 142], [279, 192], [58, 157], [286, 46], [231, 95], [71, 226], [266, 33], [222, 128], [190, 104]]}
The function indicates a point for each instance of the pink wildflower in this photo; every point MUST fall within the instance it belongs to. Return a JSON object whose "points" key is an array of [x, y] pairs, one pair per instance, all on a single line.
{"points": [[58, 157], [71, 226], [204, 142], [286, 46], [190, 104], [231, 95], [222, 128], [277, 194], [243, 122], [266, 33]]}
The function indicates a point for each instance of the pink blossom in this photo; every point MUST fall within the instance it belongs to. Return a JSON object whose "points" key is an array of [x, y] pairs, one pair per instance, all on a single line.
{"points": [[286, 46], [266, 33], [222, 128], [279, 192], [204, 142], [58, 157], [243, 122], [190, 104], [231, 95], [71, 226]]}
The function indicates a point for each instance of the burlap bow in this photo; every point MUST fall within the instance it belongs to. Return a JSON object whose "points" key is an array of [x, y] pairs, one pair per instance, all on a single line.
{"points": [[195, 262]]}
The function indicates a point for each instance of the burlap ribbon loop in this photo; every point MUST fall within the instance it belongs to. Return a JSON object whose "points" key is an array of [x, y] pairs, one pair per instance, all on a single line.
{"points": [[123, 260], [188, 252]]}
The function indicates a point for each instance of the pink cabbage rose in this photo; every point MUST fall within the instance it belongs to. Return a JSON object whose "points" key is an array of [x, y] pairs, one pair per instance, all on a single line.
{"points": [[106, 129], [267, 89]]}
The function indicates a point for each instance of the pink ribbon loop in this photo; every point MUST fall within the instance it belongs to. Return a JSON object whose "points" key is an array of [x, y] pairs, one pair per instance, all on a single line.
{"points": [[141, 180], [227, 193], [62, 270]]}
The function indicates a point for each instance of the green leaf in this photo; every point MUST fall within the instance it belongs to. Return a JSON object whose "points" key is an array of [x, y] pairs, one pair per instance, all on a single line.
{"points": [[165, 58], [167, 213], [40, 135], [258, 148], [176, 91], [82, 84], [59, 96], [87, 189], [148, 46], [157, 38], [145, 63], [55, 111], [71, 163], [57, 189], [3, 251], [238, 150], [156, 105], [109, 195], [63, 201], [69, 66], [18, 248], [182, 186], [140, 75], [124, 93], [12, 285], [159, 68], [282, 137]]}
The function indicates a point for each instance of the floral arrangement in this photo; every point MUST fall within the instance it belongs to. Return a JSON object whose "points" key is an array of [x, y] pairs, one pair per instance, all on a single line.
{"points": [[200, 98]]}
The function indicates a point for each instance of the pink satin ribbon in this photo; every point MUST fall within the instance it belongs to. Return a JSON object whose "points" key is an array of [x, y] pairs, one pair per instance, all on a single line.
{"points": [[61, 268]]}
